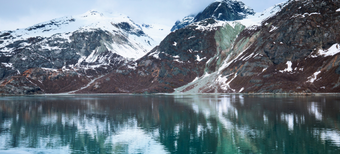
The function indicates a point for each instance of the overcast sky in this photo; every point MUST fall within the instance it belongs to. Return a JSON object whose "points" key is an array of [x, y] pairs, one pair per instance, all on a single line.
{"points": [[24, 13]]}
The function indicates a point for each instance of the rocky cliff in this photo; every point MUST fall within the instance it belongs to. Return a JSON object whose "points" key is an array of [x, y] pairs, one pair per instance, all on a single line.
{"points": [[65, 54], [223, 10], [296, 50], [291, 47], [180, 58]]}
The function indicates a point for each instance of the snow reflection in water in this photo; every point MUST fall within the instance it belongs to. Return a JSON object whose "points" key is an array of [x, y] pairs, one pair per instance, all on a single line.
{"points": [[170, 124], [285, 113]]}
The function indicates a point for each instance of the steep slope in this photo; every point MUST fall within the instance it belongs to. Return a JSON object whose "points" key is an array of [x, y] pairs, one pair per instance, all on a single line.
{"points": [[223, 10], [184, 22], [291, 47], [295, 50], [88, 45], [180, 58]]}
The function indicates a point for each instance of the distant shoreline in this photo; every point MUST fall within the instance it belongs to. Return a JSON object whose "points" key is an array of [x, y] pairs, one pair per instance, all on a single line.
{"points": [[173, 94]]}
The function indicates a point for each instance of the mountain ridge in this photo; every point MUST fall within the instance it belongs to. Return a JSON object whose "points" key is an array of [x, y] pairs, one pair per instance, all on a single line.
{"points": [[224, 10], [291, 47], [277, 61], [89, 45]]}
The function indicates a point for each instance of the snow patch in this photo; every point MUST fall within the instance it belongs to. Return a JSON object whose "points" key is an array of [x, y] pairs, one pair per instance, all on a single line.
{"points": [[305, 15], [89, 84], [199, 59], [219, 5], [241, 90], [248, 57], [273, 29], [48, 47], [177, 56], [252, 21], [226, 86], [313, 56], [209, 27], [10, 65], [177, 60], [80, 60], [191, 37], [195, 79], [289, 67], [8, 50], [50, 69], [155, 54], [333, 50], [312, 78], [175, 44], [338, 10], [131, 67], [24, 58]]}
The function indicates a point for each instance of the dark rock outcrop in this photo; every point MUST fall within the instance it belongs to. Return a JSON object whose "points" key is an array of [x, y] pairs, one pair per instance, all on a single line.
{"points": [[294, 51], [224, 10], [183, 23]]}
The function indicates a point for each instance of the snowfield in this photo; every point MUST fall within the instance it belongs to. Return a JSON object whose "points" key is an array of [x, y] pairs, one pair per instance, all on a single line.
{"points": [[90, 21]]}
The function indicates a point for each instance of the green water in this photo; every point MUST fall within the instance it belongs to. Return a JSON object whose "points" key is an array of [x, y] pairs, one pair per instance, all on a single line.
{"points": [[170, 124]]}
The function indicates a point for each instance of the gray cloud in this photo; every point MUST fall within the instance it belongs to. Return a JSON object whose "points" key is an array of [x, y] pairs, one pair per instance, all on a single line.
{"points": [[23, 13]]}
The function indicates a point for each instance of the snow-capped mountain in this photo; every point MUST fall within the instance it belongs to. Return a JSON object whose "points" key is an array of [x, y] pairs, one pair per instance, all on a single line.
{"points": [[295, 49], [223, 10], [91, 42], [87, 22], [92, 39], [290, 47], [184, 22]]}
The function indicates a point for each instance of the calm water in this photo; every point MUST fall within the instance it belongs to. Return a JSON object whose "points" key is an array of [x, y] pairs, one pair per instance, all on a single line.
{"points": [[170, 124]]}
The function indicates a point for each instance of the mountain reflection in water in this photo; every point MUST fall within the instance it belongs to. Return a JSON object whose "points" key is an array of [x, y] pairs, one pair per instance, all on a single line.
{"points": [[170, 124]]}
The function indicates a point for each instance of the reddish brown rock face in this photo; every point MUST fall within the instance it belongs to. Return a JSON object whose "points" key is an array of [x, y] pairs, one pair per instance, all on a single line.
{"points": [[290, 52], [296, 50], [179, 59]]}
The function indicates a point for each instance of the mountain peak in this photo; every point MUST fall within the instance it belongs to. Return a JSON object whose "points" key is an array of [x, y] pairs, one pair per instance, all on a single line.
{"points": [[223, 10], [93, 13]]}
